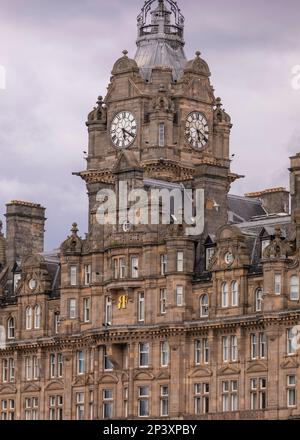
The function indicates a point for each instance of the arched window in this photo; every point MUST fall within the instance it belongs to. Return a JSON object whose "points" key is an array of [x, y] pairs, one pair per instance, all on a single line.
{"points": [[11, 328], [234, 294], [258, 300], [204, 306], [294, 288], [224, 295], [37, 317], [28, 314]]}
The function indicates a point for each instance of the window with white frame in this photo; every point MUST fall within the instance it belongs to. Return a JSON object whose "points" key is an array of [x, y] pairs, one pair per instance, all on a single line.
{"points": [[290, 347], [201, 398], [164, 353], [163, 301], [180, 256], [230, 396], [230, 348], [144, 354], [141, 307], [73, 275], [31, 408], [125, 402], [234, 348], [161, 134], [208, 256], [204, 306], [108, 365], [258, 300], [164, 401], [56, 407], [31, 368], [11, 328], [122, 265], [201, 350], [234, 294], [294, 288], [258, 393], [72, 308], [28, 316], [143, 401], [37, 316], [17, 279], [277, 284], [291, 391], [179, 296], [80, 360], [56, 365], [225, 348], [108, 403], [86, 309], [134, 267], [8, 370], [262, 345], [108, 311], [224, 295], [87, 274], [79, 406], [7, 409], [4, 370], [258, 345], [56, 322], [163, 264]]}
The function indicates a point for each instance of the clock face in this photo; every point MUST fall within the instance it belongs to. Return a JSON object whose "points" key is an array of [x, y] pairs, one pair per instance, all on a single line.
{"points": [[229, 258], [196, 130], [123, 129]]}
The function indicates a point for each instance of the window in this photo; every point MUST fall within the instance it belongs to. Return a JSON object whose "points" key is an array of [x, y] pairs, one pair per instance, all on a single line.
{"points": [[60, 364], [209, 254], [164, 354], [179, 296], [119, 268], [108, 310], [56, 365], [253, 338], [290, 345], [294, 288], [17, 278], [144, 354], [225, 345], [31, 408], [7, 410], [37, 317], [125, 402], [201, 398], [35, 368], [5, 370], [72, 308], [143, 401], [258, 346], [56, 322], [161, 135], [108, 365], [164, 401], [258, 393], [11, 328], [224, 295], [258, 300], [28, 314], [28, 368], [230, 396], [52, 365], [201, 348], [277, 284], [80, 362], [262, 345], [55, 407], [87, 274], [163, 301], [122, 268], [80, 406], [230, 348], [8, 370], [291, 391], [180, 261], [73, 275], [107, 404], [234, 348], [163, 264], [141, 307], [86, 309], [91, 405], [134, 267], [204, 306], [264, 245], [234, 294]]}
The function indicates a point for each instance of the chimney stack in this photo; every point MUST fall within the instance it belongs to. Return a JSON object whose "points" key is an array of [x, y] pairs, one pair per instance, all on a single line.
{"points": [[274, 200], [25, 224]]}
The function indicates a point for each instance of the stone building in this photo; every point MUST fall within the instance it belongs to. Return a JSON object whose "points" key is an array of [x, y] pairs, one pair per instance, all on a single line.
{"points": [[149, 321]]}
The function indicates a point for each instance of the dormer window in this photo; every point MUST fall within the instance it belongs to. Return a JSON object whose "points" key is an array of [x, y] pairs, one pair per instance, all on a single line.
{"points": [[208, 258], [17, 278], [264, 245]]}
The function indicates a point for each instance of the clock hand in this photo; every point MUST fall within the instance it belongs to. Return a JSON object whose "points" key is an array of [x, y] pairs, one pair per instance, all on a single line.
{"points": [[125, 131]]}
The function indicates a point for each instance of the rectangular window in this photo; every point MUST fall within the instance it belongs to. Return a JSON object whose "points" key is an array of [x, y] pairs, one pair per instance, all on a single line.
{"points": [[107, 404], [56, 322], [80, 362], [291, 391], [60, 363], [55, 407], [116, 268], [134, 267], [143, 354], [163, 301], [108, 365], [225, 344], [253, 338], [11, 363], [122, 268], [201, 398], [230, 396], [234, 348], [179, 261], [141, 307], [28, 368], [52, 365], [86, 309], [291, 349], [125, 402], [209, 254], [262, 345], [179, 296], [161, 135], [72, 308], [143, 399], [87, 274], [108, 310], [73, 275], [164, 354], [35, 368], [164, 401], [277, 286], [163, 264], [201, 348], [79, 406]]}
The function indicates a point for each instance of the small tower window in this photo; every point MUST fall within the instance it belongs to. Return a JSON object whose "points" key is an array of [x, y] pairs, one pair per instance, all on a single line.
{"points": [[161, 135]]}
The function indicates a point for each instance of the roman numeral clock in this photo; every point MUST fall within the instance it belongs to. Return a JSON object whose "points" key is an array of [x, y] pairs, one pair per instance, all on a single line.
{"points": [[123, 129]]}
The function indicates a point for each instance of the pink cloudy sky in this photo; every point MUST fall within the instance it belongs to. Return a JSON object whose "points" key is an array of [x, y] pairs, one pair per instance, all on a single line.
{"points": [[58, 56]]}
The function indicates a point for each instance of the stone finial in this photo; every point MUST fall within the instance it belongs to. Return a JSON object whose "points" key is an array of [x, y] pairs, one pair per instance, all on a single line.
{"points": [[218, 102], [198, 54], [74, 229], [100, 101], [125, 53], [277, 231]]}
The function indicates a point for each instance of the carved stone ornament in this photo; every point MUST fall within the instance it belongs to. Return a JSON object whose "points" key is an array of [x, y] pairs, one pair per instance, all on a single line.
{"points": [[278, 248], [73, 244]]}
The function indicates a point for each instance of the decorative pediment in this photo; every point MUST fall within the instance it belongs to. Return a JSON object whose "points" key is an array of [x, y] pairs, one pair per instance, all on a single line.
{"points": [[257, 367], [98, 114], [143, 375], [228, 370], [55, 385], [31, 388], [8, 389], [163, 375], [73, 244], [201, 372], [198, 66], [108, 378], [291, 362], [279, 247]]}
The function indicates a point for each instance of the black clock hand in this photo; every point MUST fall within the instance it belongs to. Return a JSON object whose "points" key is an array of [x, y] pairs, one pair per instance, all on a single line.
{"points": [[125, 131]]}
